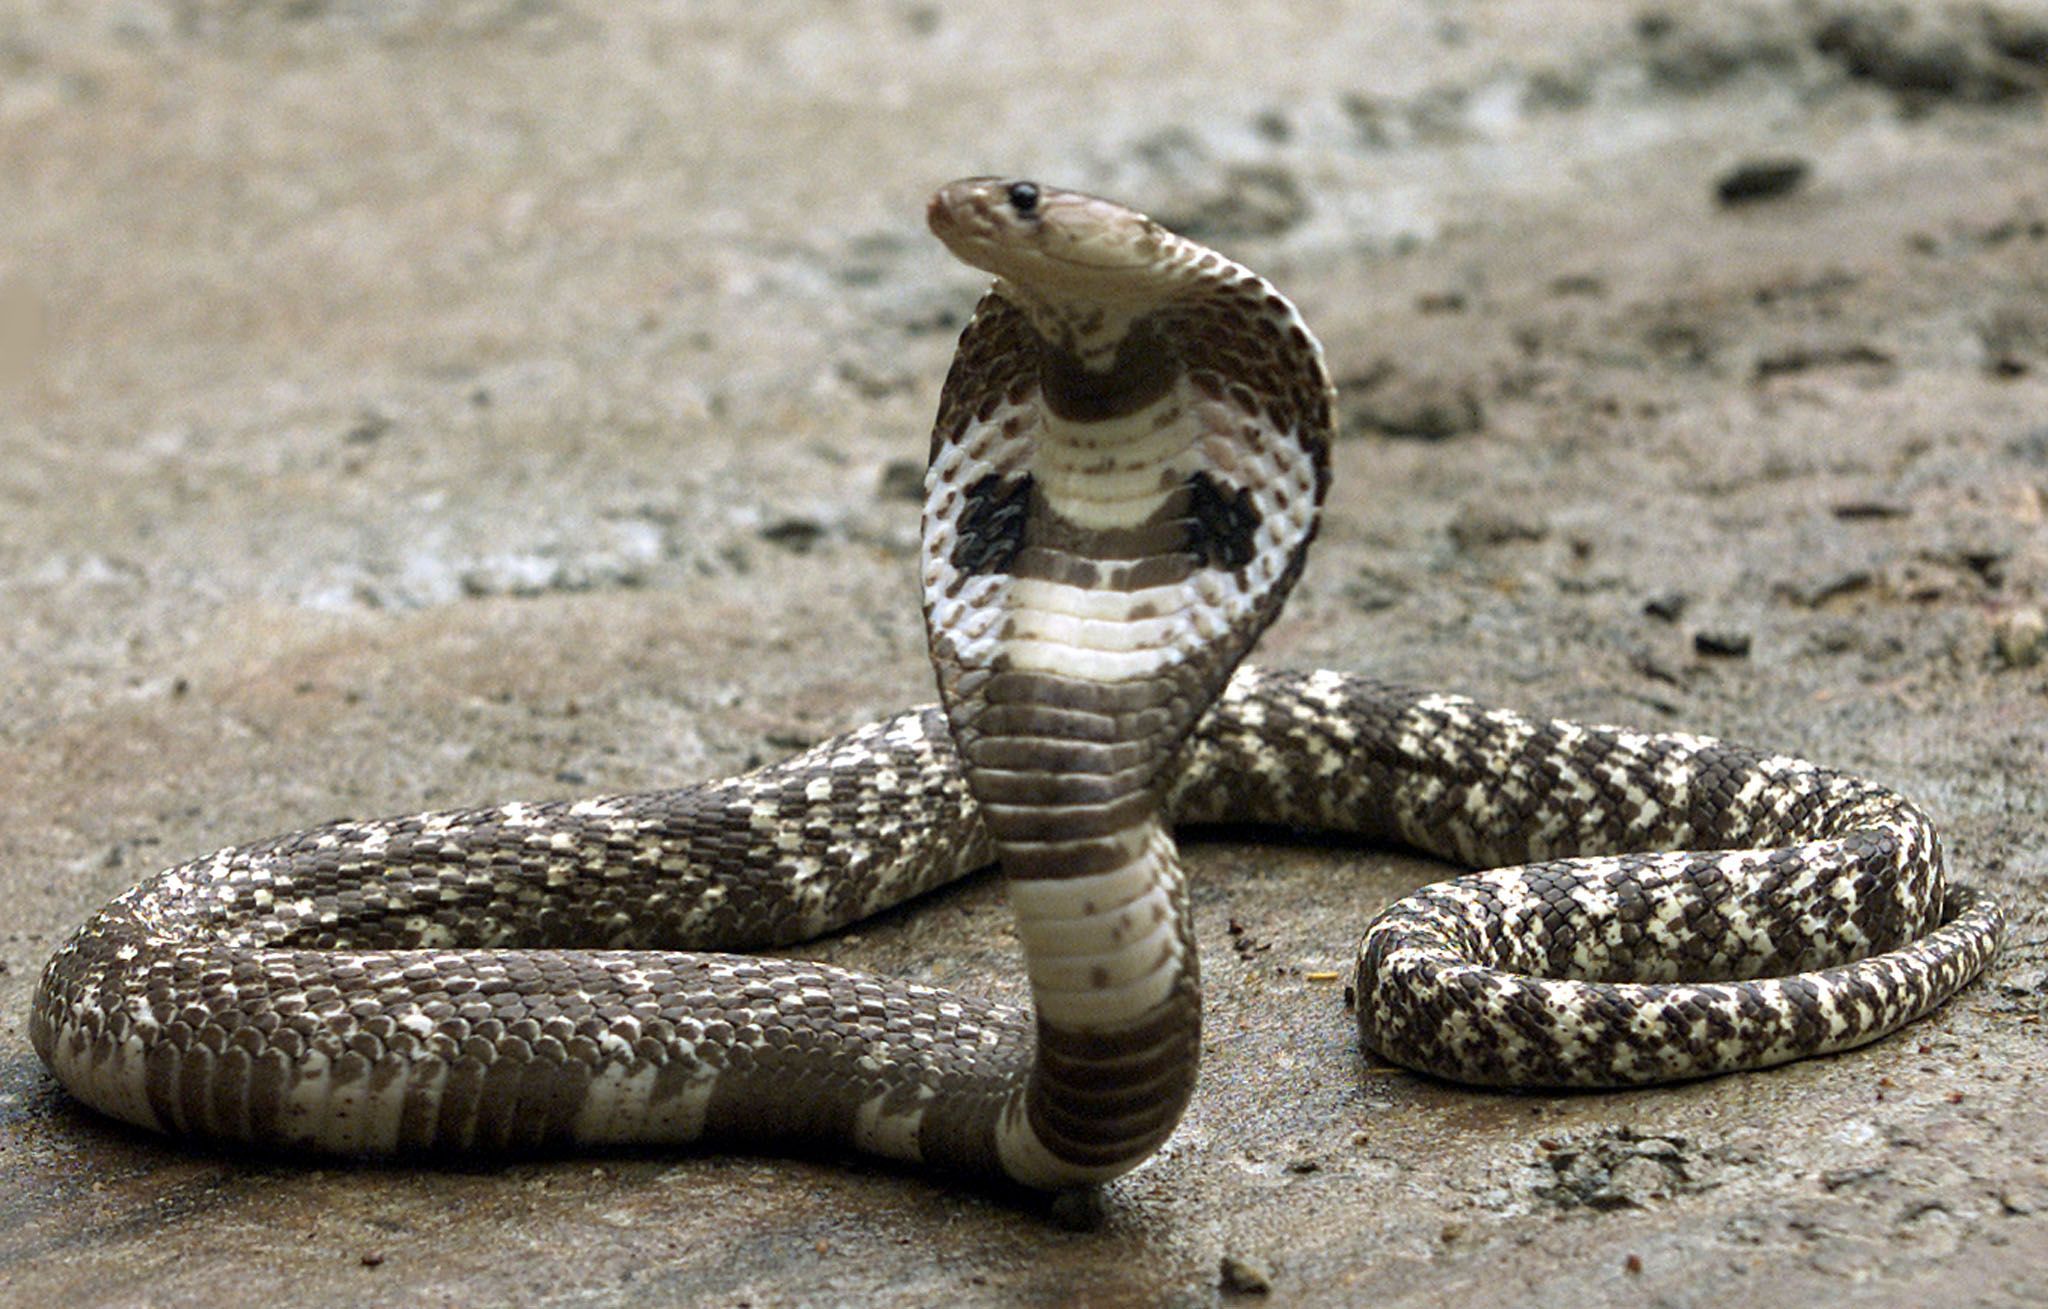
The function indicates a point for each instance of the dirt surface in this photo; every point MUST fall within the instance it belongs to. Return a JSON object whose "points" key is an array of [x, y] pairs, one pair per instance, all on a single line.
{"points": [[415, 404]]}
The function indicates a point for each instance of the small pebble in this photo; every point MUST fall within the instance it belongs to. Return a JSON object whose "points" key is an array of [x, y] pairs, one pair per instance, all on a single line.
{"points": [[1760, 179], [1807, 356], [2018, 635], [1666, 605], [1722, 644], [797, 534], [1814, 592], [1856, 510], [1246, 1274]]}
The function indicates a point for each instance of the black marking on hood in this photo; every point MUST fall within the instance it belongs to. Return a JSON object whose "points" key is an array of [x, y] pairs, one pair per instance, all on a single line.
{"points": [[992, 520], [1222, 525]]}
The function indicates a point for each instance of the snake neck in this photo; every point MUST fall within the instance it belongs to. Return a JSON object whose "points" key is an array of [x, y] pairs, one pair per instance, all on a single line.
{"points": [[1069, 722]]}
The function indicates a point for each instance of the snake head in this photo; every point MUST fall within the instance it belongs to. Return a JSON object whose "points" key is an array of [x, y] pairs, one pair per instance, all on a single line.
{"points": [[1050, 247]]}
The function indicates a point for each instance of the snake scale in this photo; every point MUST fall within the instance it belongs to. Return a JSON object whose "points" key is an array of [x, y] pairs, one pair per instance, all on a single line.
{"points": [[1127, 467]]}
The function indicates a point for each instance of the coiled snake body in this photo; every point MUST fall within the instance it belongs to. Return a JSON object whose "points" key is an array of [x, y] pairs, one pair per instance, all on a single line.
{"points": [[1125, 474]]}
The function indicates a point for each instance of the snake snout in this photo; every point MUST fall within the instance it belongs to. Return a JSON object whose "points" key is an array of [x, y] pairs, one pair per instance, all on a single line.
{"points": [[937, 214], [958, 205]]}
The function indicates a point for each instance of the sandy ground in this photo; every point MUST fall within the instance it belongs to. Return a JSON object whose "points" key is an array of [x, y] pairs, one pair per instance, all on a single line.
{"points": [[413, 404]]}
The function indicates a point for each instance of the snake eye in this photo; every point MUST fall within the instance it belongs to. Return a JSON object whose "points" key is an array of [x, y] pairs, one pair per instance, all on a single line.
{"points": [[1023, 198]]}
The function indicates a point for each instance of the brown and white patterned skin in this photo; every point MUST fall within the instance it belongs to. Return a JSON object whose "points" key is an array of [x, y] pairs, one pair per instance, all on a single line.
{"points": [[1125, 474], [1662, 906]]}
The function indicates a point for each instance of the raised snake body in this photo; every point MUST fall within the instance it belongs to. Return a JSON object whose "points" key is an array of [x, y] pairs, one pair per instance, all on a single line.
{"points": [[1125, 474]]}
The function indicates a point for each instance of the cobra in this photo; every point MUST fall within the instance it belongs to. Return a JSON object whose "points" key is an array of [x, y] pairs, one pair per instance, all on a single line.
{"points": [[1129, 459]]}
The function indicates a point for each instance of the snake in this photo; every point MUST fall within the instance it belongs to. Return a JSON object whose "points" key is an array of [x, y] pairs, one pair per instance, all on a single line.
{"points": [[1129, 462]]}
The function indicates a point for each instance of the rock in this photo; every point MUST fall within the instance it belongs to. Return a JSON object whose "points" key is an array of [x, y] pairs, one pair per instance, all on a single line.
{"points": [[1760, 179], [1806, 356], [794, 533], [1861, 510], [2021, 1198], [1721, 643], [1618, 1168], [1668, 606], [1244, 1274], [1819, 591], [2018, 636]]}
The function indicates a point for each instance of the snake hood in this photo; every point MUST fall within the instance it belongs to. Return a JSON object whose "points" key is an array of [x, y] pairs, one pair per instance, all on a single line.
{"points": [[1126, 471]]}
